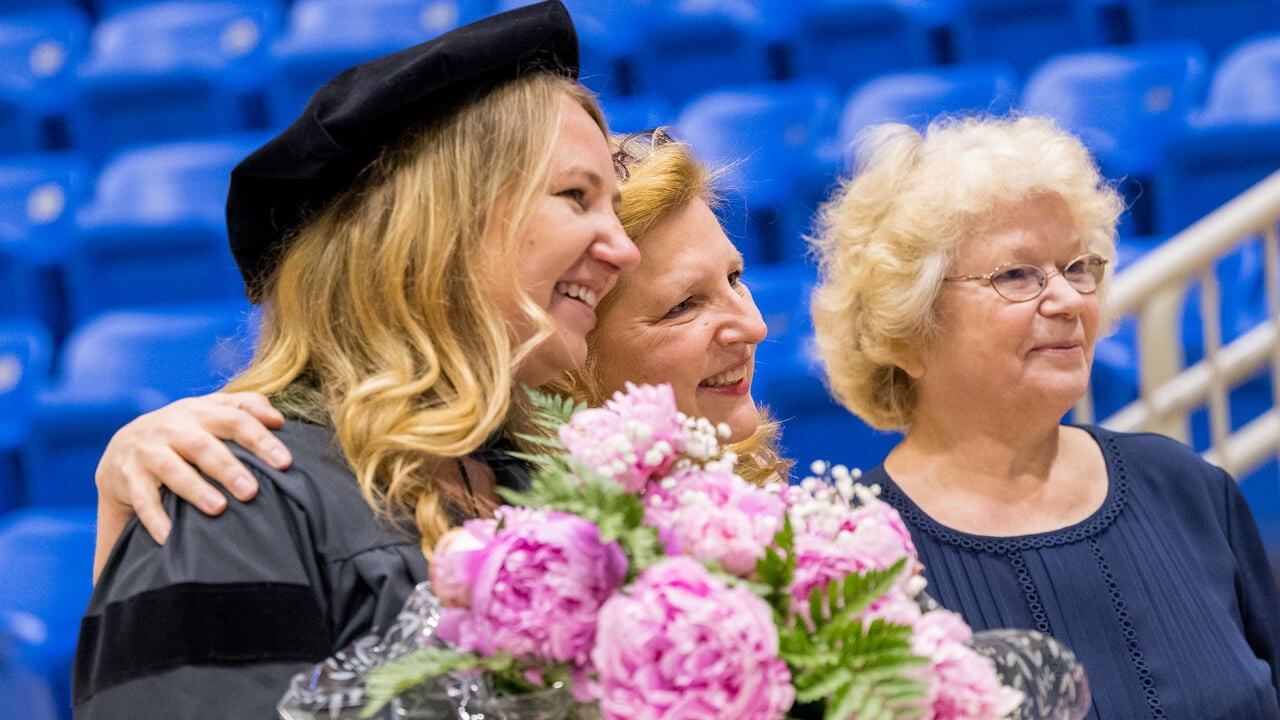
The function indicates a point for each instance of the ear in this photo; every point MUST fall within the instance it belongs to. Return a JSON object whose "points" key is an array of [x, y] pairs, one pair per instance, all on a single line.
{"points": [[912, 366], [911, 361]]}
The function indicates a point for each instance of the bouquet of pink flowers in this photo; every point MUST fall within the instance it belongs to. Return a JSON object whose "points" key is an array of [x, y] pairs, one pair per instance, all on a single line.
{"points": [[641, 578]]}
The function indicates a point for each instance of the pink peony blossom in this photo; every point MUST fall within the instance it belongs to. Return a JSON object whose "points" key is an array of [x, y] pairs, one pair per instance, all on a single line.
{"points": [[538, 587], [716, 515], [834, 539], [681, 644], [963, 685], [635, 437], [453, 563]]}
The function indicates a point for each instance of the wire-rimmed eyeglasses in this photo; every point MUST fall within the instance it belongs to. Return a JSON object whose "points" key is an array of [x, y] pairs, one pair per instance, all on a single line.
{"points": [[1023, 282], [636, 147]]}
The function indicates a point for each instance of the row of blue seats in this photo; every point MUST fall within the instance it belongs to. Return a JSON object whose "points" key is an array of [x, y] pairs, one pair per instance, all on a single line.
{"points": [[146, 226], [164, 69], [46, 562], [55, 419], [59, 405]]}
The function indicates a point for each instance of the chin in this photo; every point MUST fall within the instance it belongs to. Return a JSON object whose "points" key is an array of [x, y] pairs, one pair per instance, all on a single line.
{"points": [[743, 424]]}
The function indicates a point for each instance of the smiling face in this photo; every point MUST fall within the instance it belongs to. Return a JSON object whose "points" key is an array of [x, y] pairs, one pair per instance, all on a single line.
{"points": [[684, 317], [1005, 357], [573, 249]]}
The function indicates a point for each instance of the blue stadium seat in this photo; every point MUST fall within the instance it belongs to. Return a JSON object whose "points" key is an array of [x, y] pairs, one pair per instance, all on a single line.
{"points": [[39, 198], [1024, 33], [46, 577], [1215, 24], [776, 141], [789, 381], [916, 97], [324, 37], [633, 113], [174, 69], [1231, 145], [18, 6], [1205, 166], [611, 41], [781, 291], [115, 367], [850, 41], [38, 54], [26, 353], [1245, 86], [155, 230], [698, 45], [1125, 104], [27, 695]]}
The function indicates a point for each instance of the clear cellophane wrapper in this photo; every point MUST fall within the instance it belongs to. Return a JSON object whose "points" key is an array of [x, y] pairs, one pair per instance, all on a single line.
{"points": [[1045, 671]]}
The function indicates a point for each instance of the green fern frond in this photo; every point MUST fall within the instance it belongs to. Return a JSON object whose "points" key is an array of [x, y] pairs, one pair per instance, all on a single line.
{"points": [[552, 411], [851, 595], [777, 570], [859, 669], [392, 679]]}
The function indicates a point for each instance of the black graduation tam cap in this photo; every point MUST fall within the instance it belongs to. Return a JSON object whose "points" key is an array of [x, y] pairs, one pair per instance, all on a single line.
{"points": [[355, 115]]}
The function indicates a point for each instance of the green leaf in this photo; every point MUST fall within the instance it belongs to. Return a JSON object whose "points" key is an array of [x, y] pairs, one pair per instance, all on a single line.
{"points": [[392, 679], [777, 570], [552, 411], [858, 668]]}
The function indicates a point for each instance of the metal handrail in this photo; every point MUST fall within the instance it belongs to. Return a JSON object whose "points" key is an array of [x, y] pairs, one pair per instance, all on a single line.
{"points": [[1154, 290]]}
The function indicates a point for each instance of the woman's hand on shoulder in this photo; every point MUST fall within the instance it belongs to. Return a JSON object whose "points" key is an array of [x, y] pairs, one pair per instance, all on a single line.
{"points": [[160, 448]]}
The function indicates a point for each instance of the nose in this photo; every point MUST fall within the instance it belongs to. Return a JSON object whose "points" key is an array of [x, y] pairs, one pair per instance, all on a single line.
{"points": [[612, 246], [1060, 297], [743, 323]]}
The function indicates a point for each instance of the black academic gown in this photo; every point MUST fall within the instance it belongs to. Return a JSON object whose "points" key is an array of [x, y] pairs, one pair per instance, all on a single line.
{"points": [[215, 623]]}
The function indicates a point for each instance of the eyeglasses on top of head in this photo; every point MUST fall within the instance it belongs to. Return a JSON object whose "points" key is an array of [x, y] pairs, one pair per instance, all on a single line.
{"points": [[636, 147], [1023, 282]]}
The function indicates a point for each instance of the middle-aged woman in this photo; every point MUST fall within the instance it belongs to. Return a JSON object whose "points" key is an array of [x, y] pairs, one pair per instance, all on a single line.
{"points": [[433, 232], [961, 290]]}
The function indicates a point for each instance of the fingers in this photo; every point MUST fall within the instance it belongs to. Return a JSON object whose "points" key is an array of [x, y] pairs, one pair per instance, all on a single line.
{"points": [[146, 503], [245, 419], [170, 466], [257, 405], [160, 447]]}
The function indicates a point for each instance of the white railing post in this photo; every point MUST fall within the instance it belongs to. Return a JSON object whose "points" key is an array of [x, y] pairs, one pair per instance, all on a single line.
{"points": [[1155, 289]]}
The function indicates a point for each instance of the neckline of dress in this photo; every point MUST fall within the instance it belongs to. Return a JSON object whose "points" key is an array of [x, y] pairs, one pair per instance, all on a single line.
{"points": [[1096, 522]]}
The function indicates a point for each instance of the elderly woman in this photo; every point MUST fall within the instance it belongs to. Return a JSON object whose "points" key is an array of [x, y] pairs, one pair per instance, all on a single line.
{"points": [[962, 287]]}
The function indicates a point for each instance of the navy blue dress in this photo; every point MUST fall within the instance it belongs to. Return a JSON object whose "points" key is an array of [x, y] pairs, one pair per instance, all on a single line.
{"points": [[1164, 593]]}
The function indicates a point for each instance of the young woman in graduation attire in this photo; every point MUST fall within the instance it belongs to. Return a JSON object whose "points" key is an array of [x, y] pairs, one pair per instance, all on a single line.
{"points": [[432, 233]]}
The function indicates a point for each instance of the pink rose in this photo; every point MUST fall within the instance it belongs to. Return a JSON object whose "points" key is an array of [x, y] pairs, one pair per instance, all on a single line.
{"points": [[681, 644], [538, 587]]}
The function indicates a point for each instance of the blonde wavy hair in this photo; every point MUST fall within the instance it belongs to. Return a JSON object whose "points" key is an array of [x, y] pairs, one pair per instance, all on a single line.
{"points": [[887, 236], [660, 179], [378, 319]]}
